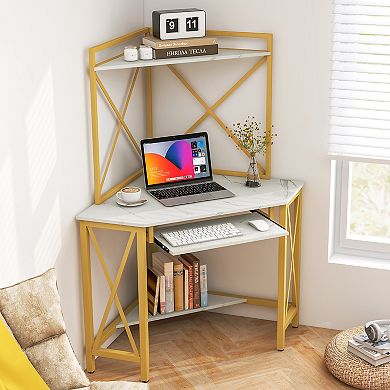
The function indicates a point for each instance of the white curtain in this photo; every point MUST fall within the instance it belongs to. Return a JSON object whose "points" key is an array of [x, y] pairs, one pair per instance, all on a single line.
{"points": [[360, 85]]}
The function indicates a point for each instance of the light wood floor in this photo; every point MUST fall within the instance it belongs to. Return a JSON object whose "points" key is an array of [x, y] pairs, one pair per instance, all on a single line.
{"points": [[217, 351]]}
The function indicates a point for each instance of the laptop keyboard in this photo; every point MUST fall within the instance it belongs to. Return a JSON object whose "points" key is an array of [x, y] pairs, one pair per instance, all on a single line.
{"points": [[193, 189]]}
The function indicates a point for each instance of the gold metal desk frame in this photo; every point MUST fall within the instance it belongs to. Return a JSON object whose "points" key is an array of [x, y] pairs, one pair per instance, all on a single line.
{"points": [[95, 82], [289, 218]]}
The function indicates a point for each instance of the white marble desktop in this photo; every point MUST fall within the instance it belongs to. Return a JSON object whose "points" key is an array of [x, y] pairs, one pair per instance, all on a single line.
{"points": [[273, 192]]}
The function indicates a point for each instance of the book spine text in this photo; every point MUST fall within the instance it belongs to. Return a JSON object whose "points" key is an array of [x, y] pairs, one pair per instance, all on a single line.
{"points": [[192, 51]]}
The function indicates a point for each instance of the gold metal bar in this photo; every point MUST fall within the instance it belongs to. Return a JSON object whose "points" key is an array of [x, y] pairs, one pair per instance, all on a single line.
{"points": [[108, 59], [120, 185], [246, 50], [93, 94], [149, 103], [292, 245], [208, 109], [268, 112], [151, 235], [111, 328], [291, 312], [249, 300], [143, 304], [297, 257], [119, 127], [87, 295], [116, 298], [291, 258], [239, 34], [121, 39], [95, 125], [124, 111], [282, 263], [112, 226], [117, 354], [226, 95], [211, 110], [292, 200], [229, 173], [111, 153], [238, 84], [118, 115], [291, 240], [114, 289]]}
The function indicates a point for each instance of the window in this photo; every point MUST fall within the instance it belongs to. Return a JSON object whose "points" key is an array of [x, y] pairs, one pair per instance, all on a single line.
{"points": [[368, 206], [359, 135], [360, 212]]}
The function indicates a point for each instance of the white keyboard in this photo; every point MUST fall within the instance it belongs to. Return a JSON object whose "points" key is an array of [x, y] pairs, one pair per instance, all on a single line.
{"points": [[201, 234]]}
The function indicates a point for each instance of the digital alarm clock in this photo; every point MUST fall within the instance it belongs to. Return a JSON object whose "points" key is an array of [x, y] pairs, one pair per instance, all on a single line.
{"points": [[179, 23]]}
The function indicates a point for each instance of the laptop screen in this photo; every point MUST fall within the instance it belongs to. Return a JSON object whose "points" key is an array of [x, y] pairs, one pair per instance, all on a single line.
{"points": [[176, 159]]}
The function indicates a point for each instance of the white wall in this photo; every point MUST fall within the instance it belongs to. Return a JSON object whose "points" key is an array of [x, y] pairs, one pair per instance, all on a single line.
{"points": [[332, 295], [45, 148]]}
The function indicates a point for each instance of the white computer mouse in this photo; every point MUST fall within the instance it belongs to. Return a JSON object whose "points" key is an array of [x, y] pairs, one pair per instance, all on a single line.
{"points": [[259, 224]]}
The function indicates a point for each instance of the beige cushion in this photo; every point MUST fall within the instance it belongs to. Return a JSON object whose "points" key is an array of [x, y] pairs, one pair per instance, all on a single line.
{"points": [[352, 370], [2, 319], [32, 309], [119, 386], [33, 312], [56, 363]]}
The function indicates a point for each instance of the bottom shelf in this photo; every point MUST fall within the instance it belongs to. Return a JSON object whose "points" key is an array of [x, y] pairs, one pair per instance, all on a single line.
{"points": [[214, 302]]}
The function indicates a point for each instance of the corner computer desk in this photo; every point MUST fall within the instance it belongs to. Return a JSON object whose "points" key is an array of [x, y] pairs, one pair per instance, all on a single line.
{"points": [[143, 224]]}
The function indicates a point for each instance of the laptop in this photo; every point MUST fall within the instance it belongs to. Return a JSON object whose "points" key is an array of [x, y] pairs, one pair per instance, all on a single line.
{"points": [[177, 170]]}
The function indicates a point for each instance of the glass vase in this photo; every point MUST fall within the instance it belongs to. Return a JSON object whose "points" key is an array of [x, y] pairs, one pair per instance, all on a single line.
{"points": [[252, 177]]}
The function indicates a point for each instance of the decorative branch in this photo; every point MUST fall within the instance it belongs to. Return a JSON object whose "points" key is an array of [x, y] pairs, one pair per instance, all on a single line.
{"points": [[251, 137]]}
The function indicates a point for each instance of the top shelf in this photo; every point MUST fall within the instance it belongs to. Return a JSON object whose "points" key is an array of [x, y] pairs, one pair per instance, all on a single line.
{"points": [[224, 54]]}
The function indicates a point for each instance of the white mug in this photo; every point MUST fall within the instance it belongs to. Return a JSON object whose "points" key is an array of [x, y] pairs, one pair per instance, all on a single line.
{"points": [[129, 194]]}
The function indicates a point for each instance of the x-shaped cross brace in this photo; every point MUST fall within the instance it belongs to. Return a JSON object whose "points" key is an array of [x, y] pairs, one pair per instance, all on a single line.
{"points": [[210, 111]]}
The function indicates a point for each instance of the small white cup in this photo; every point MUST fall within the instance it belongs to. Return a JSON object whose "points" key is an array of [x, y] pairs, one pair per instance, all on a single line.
{"points": [[129, 194]]}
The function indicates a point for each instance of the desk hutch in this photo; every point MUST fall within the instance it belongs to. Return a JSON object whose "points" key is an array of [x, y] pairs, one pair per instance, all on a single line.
{"points": [[144, 223]]}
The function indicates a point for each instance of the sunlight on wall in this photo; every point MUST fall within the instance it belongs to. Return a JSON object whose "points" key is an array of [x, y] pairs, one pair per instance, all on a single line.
{"points": [[41, 138], [49, 243], [8, 238]]}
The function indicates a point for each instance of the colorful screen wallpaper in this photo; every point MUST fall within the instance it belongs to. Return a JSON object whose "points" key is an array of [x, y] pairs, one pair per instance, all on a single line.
{"points": [[173, 161]]}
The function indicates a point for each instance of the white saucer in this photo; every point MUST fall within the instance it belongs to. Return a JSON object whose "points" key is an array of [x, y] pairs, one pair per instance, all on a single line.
{"points": [[134, 204]]}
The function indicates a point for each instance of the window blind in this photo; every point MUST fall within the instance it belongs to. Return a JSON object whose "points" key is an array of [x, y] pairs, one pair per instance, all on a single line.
{"points": [[360, 81]]}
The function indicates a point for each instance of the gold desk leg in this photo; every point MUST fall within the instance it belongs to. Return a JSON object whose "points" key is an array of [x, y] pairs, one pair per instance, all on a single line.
{"points": [[143, 304], [282, 266], [297, 259], [87, 296], [271, 213]]}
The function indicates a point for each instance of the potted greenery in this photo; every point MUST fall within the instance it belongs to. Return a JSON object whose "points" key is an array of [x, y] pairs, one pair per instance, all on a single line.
{"points": [[252, 139]]}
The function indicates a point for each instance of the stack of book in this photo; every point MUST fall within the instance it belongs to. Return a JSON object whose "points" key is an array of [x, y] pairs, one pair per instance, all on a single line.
{"points": [[176, 283], [186, 47], [374, 353]]}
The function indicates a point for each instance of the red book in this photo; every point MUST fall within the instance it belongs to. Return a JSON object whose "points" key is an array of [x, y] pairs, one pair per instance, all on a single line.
{"points": [[190, 268], [194, 261]]}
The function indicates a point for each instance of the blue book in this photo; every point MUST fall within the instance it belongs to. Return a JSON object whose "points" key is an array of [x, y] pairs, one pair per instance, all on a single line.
{"points": [[203, 285]]}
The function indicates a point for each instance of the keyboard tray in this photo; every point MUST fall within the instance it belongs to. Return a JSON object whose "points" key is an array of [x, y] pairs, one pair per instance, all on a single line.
{"points": [[249, 233]]}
